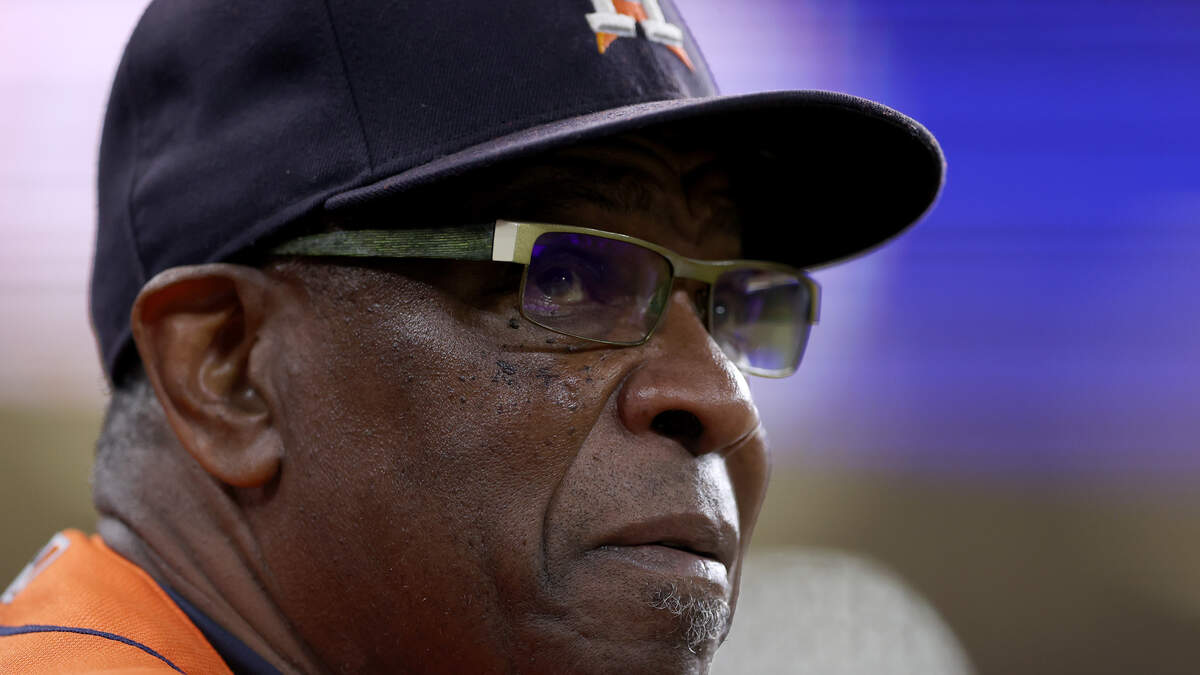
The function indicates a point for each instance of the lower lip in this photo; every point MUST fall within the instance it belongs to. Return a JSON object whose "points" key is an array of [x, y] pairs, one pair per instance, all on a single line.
{"points": [[668, 561]]}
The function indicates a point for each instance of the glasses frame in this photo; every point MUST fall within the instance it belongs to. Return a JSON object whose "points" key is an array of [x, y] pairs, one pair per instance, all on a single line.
{"points": [[512, 241]]}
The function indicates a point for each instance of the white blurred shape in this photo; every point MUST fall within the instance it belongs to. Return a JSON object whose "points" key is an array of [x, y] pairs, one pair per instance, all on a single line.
{"points": [[818, 612]]}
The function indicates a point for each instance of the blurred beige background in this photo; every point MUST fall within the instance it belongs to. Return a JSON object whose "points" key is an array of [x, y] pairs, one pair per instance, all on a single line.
{"points": [[1095, 575]]}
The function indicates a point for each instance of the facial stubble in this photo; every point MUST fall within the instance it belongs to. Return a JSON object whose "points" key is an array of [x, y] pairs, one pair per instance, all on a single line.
{"points": [[702, 619]]}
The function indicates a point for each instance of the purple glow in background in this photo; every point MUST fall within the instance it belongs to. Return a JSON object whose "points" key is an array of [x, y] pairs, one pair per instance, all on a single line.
{"points": [[1042, 323]]}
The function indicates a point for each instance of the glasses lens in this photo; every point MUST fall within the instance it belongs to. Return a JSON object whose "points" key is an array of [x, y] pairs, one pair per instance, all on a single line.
{"points": [[760, 318], [595, 288]]}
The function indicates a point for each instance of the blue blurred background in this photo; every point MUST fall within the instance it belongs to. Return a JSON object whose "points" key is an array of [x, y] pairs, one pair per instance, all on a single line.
{"points": [[1001, 405], [1042, 321]]}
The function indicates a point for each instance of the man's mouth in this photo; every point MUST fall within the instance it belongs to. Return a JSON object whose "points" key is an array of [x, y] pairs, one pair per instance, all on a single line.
{"points": [[687, 549], [670, 561], [678, 545]]}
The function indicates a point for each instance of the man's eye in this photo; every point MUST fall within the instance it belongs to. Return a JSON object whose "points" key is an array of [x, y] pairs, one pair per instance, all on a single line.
{"points": [[561, 285]]}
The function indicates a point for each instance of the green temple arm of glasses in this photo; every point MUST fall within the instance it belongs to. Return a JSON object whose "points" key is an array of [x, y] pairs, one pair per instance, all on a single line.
{"points": [[466, 242], [501, 241]]}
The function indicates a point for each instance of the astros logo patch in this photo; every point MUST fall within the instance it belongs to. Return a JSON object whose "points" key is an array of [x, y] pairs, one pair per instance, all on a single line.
{"points": [[48, 554], [619, 18]]}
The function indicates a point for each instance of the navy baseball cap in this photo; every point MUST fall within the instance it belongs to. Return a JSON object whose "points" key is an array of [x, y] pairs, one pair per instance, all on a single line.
{"points": [[230, 121]]}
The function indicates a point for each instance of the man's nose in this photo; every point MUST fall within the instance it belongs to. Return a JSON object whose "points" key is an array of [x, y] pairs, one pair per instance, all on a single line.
{"points": [[686, 389]]}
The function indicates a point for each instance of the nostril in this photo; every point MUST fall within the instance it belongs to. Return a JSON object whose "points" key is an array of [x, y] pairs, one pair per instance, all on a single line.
{"points": [[679, 425]]}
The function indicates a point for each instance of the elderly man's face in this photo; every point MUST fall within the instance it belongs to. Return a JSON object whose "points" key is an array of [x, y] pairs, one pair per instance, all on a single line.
{"points": [[464, 491]]}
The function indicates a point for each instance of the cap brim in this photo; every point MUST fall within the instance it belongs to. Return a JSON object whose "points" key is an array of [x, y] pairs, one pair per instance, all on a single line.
{"points": [[822, 176]]}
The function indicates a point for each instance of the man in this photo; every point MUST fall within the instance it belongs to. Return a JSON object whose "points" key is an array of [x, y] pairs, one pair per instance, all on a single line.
{"points": [[421, 360]]}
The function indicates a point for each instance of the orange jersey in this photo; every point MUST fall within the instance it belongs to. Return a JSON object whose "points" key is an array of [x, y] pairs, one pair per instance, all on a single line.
{"points": [[79, 607]]}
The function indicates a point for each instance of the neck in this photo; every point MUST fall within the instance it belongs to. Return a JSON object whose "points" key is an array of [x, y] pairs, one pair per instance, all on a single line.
{"points": [[200, 545]]}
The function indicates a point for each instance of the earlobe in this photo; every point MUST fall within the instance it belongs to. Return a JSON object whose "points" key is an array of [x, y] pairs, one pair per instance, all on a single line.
{"points": [[196, 330]]}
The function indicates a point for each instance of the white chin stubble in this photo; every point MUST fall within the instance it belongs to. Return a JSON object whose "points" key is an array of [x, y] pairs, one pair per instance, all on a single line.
{"points": [[703, 616]]}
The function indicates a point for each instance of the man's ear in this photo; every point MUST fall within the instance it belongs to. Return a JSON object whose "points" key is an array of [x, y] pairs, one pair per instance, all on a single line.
{"points": [[196, 328]]}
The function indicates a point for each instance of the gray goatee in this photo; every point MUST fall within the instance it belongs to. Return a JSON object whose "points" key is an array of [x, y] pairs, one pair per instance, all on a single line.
{"points": [[703, 618]]}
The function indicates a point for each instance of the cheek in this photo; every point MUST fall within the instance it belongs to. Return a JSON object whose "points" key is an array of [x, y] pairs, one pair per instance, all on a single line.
{"points": [[411, 424]]}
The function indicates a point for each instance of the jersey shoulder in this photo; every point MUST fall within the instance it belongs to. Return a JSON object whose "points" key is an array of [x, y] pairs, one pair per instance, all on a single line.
{"points": [[80, 607]]}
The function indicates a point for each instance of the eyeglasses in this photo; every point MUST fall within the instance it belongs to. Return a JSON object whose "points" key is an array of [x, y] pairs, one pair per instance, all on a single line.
{"points": [[612, 288]]}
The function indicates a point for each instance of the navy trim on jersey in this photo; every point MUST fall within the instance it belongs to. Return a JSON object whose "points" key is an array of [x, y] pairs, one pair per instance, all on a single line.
{"points": [[6, 631], [241, 659]]}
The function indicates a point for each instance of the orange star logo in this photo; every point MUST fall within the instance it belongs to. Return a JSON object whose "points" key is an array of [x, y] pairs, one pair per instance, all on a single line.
{"points": [[620, 18]]}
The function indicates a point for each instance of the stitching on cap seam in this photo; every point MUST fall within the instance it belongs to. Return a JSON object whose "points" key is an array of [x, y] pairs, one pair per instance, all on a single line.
{"points": [[362, 128], [130, 232], [703, 62]]}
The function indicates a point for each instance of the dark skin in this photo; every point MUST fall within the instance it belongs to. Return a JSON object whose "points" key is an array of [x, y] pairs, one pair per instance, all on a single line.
{"points": [[387, 470]]}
